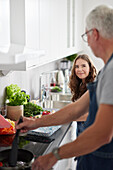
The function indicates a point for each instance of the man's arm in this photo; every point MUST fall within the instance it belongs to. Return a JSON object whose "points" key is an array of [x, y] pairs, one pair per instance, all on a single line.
{"points": [[65, 115], [98, 134], [68, 113], [83, 118]]}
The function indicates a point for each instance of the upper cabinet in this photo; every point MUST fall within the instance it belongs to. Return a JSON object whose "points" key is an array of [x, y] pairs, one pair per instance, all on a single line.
{"points": [[19, 44], [57, 28], [35, 32]]}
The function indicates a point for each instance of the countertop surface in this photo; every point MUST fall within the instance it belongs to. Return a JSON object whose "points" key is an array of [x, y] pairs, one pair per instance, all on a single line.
{"points": [[37, 145]]}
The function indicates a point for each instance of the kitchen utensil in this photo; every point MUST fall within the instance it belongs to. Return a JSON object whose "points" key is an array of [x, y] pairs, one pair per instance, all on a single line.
{"points": [[14, 150], [24, 156]]}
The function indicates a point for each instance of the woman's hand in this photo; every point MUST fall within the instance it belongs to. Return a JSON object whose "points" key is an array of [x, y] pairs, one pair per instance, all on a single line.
{"points": [[27, 124], [45, 162]]}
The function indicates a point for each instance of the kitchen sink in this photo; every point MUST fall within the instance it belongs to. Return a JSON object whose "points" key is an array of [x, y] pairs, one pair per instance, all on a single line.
{"points": [[60, 96], [65, 97], [59, 104], [56, 101], [54, 104]]}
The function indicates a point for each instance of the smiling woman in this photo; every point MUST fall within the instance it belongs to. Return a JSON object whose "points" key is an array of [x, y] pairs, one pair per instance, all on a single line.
{"points": [[82, 69], [82, 73]]}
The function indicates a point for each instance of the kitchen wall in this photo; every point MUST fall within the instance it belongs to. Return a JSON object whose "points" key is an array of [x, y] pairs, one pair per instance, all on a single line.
{"points": [[27, 80]]}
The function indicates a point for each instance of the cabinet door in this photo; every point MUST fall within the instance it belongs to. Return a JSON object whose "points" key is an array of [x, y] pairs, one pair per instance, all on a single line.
{"points": [[67, 164], [57, 28]]}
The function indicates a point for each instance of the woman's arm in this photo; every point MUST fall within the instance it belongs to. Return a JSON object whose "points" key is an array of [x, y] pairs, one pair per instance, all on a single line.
{"points": [[82, 118]]}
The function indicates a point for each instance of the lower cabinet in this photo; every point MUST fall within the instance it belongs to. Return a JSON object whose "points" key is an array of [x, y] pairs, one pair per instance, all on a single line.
{"points": [[67, 164]]}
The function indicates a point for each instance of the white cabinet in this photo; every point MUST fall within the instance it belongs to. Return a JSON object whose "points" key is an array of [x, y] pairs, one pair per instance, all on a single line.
{"points": [[57, 28], [19, 23], [20, 50], [39, 31], [67, 164]]}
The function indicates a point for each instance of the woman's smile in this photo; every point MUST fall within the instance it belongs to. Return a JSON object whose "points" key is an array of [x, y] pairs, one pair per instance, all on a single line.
{"points": [[82, 68]]}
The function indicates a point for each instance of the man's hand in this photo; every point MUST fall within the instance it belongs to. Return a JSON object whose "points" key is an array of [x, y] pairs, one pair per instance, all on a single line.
{"points": [[27, 124], [45, 162]]}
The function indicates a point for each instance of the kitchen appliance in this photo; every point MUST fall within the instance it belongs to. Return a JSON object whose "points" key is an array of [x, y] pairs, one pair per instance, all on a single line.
{"points": [[64, 64], [61, 80]]}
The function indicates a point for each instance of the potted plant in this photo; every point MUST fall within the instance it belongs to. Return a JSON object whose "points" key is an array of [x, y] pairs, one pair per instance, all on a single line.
{"points": [[71, 59], [15, 99]]}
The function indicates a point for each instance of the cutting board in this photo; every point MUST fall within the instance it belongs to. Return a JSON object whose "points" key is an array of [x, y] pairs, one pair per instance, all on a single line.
{"points": [[44, 131]]}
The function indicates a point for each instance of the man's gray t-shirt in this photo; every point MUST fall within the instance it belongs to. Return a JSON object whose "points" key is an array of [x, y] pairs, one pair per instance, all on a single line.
{"points": [[104, 91]]}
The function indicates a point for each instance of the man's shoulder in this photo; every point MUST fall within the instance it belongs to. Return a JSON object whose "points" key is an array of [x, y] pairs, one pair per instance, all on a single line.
{"points": [[109, 67], [110, 64]]}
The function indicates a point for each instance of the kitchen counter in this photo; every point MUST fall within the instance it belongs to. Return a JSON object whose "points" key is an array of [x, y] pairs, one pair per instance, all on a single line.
{"points": [[39, 146]]}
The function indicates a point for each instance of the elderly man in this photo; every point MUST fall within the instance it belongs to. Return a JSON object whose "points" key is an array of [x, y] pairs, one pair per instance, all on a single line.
{"points": [[95, 144]]}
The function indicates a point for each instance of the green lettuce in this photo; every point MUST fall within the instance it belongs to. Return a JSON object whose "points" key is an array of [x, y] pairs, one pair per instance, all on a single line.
{"points": [[14, 96]]}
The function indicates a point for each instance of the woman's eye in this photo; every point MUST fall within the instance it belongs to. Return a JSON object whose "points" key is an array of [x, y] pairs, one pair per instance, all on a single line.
{"points": [[83, 65], [76, 66]]}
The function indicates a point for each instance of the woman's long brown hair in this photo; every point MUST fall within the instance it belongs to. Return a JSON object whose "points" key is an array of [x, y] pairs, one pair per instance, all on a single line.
{"points": [[75, 83]]}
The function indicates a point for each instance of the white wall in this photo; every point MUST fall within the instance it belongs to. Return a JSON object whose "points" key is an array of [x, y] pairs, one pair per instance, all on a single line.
{"points": [[26, 80]]}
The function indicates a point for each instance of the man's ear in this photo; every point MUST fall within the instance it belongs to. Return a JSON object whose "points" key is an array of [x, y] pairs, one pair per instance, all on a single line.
{"points": [[96, 34]]}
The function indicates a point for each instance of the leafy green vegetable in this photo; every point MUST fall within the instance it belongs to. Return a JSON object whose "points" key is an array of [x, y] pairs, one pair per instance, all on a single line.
{"points": [[12, 89], [31, 109], [18, 99], [56, 89], [71, 57], [14, 95]]}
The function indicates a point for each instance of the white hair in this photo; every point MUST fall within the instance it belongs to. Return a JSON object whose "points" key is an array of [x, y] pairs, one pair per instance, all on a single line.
{"points": [[101, 18]]}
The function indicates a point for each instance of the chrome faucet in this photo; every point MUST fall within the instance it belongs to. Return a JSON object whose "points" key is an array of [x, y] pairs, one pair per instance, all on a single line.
{"points": [[43, 91], [44, 86]]}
